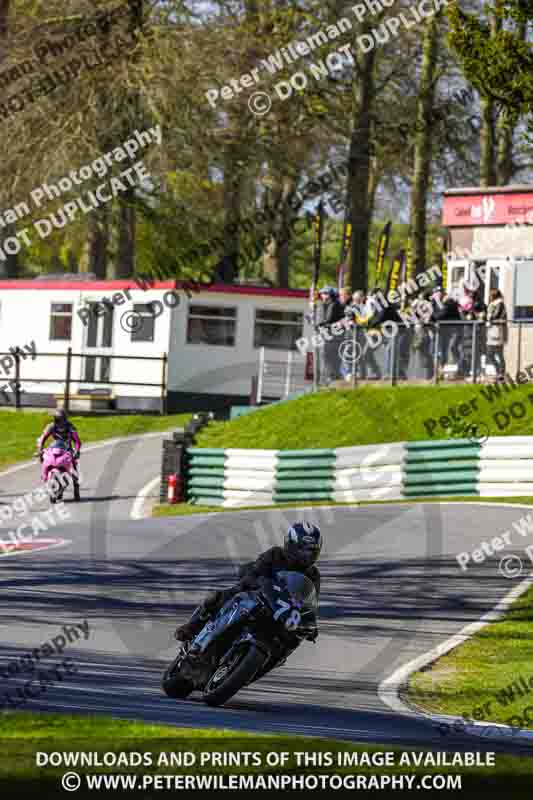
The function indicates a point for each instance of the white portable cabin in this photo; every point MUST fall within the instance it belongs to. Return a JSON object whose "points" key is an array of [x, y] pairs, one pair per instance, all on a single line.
{"points": [[211, 339], [490, 234]]}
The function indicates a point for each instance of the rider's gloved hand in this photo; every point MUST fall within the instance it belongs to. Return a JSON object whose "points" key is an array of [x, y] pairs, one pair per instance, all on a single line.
{"points": [[248, 582]]}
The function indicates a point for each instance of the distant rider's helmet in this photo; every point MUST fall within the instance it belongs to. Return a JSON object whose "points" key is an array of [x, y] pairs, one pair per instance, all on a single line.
{"points": [[302, 545], [60, 419]]}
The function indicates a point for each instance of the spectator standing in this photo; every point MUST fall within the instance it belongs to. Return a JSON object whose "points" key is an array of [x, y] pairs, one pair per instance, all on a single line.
{"points": [[422, 338], [446, 310], [359, 313], [381, 315], [344, 297], [330, 311], [496, 332], [472, 310]]}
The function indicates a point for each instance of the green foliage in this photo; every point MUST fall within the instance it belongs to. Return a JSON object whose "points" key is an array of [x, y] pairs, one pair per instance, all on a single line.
{"points": [[301, 253], [19, 431], [498, 64], [367, 415]]}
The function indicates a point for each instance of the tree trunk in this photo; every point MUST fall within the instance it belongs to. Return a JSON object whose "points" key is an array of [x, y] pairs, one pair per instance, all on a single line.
{"points": [[486, 166], [4, 16], [98, 242], [423, 143], [359, 163], [228, 268], [10, 267], [504, 134], [504, 157], [373, 183], [276, 256], [125, 263], [487, 169]]}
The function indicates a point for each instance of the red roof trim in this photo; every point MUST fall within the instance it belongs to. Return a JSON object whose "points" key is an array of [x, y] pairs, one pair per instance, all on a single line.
{"points": [[257, 290], [115, 286], [76, 286]]}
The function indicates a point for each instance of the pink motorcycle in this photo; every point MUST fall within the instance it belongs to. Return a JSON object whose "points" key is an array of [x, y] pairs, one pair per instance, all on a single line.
{"points": [[58, 471]]}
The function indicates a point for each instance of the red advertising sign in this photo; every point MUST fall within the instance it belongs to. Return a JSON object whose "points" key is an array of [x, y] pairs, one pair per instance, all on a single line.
{"points": [[487, 209]]}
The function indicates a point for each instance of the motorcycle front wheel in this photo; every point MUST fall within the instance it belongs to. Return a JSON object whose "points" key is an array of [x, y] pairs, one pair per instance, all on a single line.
{"points": [[228, 679], [175, 685]]}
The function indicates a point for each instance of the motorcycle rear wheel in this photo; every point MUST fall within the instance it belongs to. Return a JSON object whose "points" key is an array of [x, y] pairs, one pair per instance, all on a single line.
{"points": [[219, 689]]}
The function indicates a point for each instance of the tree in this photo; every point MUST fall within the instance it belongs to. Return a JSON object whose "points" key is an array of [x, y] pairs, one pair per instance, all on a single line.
{"points": [[498, 61], [423, 142]]}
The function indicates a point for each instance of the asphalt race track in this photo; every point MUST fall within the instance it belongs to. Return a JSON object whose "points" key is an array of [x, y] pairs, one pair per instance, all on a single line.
{"points": [[391, 590]]}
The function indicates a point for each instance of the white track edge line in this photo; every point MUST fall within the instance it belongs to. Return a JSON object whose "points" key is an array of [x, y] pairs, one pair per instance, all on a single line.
{"points": [[138, 510], [389, 688]]}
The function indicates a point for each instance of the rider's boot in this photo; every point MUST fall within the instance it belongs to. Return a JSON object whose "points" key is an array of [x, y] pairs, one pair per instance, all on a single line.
{"points": [[187, 632]]}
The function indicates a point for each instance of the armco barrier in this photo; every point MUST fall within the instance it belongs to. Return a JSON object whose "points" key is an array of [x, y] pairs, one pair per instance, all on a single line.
{"points": [[502, 466]]}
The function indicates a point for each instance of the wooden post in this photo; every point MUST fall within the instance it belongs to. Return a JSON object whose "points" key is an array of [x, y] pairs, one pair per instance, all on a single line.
{"points": [[17, 380], [66, 396], [164, 385]]}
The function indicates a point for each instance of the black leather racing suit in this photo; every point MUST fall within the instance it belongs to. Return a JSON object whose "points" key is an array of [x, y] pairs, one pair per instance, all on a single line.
{"points": [[265, 565], [269, 562]]}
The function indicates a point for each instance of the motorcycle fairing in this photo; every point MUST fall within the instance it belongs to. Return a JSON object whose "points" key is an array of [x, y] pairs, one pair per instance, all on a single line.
{"points": [[233, 613]]}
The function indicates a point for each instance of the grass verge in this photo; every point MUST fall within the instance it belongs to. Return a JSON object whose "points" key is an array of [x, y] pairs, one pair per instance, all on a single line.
{"points": [[24, 735], [184, 509], [19, 431], [370, 415], [489, 677]]}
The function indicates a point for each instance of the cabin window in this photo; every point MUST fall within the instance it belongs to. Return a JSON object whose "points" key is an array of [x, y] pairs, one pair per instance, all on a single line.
{"points": [[277, 330], [142, 323], [211, 325], [523, 290], [61, 322]]}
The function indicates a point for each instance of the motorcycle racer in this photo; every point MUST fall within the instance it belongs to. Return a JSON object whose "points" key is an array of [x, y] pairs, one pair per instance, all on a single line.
{"points": [[63, 431], [300, 552]]}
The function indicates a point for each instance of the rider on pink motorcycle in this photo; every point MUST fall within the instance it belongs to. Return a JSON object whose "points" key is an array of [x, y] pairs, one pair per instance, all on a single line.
{"points": [[61, 430]]}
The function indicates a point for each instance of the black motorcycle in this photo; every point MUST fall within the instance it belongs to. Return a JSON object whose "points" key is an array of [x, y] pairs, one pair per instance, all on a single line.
{"points": [[253, 632]]}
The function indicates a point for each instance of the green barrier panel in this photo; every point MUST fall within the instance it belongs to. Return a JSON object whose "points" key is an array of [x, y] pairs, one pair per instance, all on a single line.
{"points": [[452, 452], [202, 491], [409, 469], [302, 485], [439, 444], [466, 488], [206, 501], [210, 472], [304, 463], [207, 451], [207, 461], [207, 482], [445, 477], [282, 475]]}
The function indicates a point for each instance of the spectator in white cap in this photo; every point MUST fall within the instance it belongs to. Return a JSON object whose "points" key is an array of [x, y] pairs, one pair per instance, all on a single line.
{"points": [[330, 310]]}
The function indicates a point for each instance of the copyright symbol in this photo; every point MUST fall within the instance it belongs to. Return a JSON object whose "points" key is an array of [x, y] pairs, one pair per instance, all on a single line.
{"points": [[350, 352], [511, 566], [478, 432], [131, 321], [71, 781], [260, 103]]}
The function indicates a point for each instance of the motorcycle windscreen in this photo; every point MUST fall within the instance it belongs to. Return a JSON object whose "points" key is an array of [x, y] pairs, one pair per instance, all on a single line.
{"points": [[60, 445], [300, 587]]}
